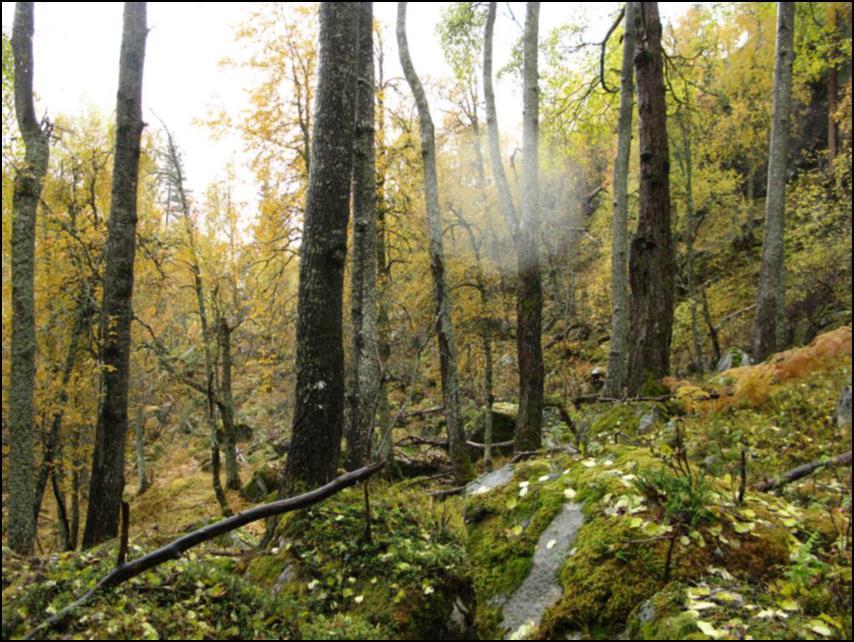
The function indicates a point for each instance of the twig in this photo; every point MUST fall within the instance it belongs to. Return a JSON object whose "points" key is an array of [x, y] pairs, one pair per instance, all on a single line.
{"points": [[603, 45]]}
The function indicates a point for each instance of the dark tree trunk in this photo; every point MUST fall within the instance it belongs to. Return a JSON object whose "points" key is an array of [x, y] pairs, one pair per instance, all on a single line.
{"points": [[365, 366], [767, 325], [444, 328], [107, 476], [529, 295], [319, 398], [27, 192], [52, 458], [226, 404], [832, 86], [615, 379], [651, 262]]}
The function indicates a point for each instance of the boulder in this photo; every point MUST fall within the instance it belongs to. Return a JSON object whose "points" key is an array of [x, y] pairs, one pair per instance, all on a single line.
{"points": [[262, 483], [735, 357]]}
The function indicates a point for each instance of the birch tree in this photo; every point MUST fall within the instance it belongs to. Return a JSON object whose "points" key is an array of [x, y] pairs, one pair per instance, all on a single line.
{"points": [[27, 191], [444, 328], [529, 295], [365, 366], [615, 379], [767, 324]]}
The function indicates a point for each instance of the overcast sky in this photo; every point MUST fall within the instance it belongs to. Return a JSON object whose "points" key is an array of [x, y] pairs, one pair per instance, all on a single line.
{"points": [[76, 49]]}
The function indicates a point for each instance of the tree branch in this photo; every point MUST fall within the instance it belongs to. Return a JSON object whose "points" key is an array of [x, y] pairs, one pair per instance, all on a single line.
{"points": [[802, 471]]}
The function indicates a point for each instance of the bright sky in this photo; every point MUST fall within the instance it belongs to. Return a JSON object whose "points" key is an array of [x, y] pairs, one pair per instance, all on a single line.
{"points": [[76, 49]]}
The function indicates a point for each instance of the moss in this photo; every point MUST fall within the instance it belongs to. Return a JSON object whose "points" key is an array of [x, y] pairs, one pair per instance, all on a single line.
{"points": [[409, 578], [343, 626], [652, 387], [620, 422], [264, 570]]}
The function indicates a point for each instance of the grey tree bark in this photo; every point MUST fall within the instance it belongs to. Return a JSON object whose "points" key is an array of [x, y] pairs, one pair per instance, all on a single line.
{"points": [[615, 378], [767, 324], [383, 277], [447, 347], [364, 355], [651, 261], [107, 475], [26, 194], [319, 397], [505, 199], [529, 296]]}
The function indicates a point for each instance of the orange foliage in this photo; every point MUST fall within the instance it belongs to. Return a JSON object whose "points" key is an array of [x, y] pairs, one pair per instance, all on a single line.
{"points": [[756, 383]]}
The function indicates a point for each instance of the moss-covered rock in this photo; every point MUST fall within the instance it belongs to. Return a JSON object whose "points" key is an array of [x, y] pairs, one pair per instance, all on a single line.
{"points": [[263, 482], [503, 528]]}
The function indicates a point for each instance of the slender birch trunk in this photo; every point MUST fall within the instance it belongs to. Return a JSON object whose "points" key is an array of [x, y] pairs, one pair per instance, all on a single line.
{"points": [[767, 325], [365, 365], [615, 379], [447, 347]]}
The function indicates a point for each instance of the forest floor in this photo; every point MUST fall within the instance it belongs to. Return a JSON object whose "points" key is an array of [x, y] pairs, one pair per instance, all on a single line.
{"points": [[635, 525]]}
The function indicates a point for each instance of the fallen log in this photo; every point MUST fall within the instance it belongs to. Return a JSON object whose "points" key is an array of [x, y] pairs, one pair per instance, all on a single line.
{"points": [[422, 411], [176, 548], [802, 471], [447, 492], [582, 399], [415, 440]]}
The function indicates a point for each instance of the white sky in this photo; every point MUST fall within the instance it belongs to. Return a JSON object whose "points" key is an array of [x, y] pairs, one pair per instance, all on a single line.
{"points": [[76, 50]]}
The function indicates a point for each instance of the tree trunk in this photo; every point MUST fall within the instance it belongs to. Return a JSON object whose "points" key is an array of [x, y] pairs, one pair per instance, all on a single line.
{"points": [[651, 263], [225, 401], [383, 277], [139, 434], [767, 324], [27, 192], [832, 86], [615, 379], [365, 366], [713, 329], [529, 296], [319, 398], [505, 199], [107, 476], [447, 347]]}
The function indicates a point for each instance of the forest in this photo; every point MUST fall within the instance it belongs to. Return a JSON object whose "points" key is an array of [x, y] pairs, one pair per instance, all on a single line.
{"points": [[503, 321]]}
